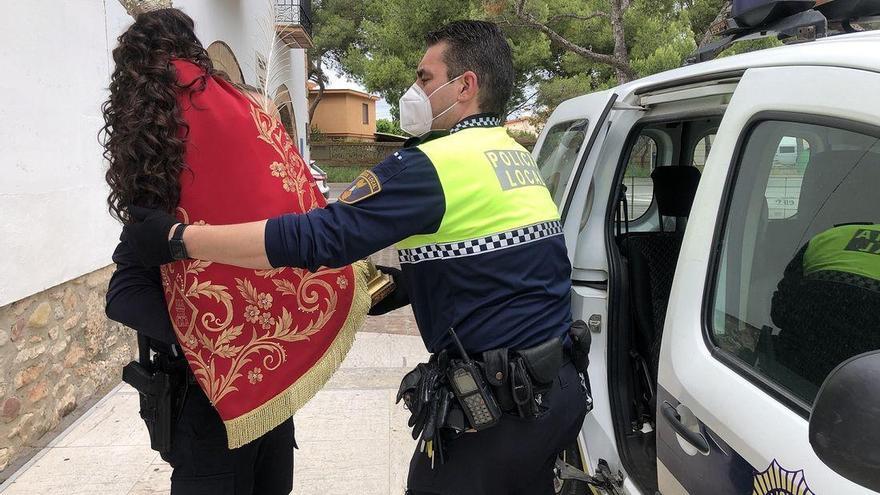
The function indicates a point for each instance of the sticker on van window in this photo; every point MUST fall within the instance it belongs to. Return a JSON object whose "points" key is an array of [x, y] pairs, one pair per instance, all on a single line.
{"points": [[779, 481]]}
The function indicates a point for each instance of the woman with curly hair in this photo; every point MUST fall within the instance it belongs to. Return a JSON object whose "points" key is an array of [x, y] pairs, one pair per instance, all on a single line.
{"points": [[245, 348]]}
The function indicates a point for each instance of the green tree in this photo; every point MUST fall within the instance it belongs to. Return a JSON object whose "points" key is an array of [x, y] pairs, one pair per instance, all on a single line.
{"points": [[384, 41], [561, 48], [597, 44], [614, 41], [389, 127], [392, 43], [336, 28]]}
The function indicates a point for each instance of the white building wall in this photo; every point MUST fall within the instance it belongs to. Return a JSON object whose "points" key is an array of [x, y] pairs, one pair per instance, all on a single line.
{"points": [[300, 98], [56, 62]]}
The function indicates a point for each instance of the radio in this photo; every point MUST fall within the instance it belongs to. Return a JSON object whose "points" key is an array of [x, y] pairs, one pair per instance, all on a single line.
{"points": [[471, 390]]}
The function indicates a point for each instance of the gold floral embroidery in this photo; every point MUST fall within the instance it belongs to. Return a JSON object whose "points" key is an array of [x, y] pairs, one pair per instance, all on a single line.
{"points": [[252, 314], [269, 326], [291, 169], [278, 169], [269, 273], [266, 321], [289, 184], [264, 301]]}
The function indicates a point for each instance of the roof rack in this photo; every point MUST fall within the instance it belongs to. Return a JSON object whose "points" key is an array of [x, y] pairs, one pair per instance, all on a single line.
{"points": [[792, 21]]}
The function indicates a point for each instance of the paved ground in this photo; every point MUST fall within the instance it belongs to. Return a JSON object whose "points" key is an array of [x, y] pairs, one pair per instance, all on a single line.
{"points": [[352, 437]]}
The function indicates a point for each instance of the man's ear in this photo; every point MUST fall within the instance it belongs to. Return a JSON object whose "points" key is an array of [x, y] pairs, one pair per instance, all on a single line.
{"points": [[470, 86]]}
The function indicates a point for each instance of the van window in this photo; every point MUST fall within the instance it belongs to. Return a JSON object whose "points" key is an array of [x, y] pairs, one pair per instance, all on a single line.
{"points": [[558, 155], [797, 293], [786, 176], [643, 159], [701, 151]]}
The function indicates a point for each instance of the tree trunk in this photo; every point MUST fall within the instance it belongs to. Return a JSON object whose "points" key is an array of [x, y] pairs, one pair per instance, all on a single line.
{"points": [[316, 73], [619, 60], [621, 54]]}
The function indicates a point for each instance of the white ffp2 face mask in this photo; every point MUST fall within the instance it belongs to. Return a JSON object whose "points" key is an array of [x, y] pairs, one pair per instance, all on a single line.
{"points": [[416, 116]]}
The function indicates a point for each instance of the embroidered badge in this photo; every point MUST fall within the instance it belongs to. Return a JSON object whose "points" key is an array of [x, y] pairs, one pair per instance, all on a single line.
{"points": [[366, 185]]}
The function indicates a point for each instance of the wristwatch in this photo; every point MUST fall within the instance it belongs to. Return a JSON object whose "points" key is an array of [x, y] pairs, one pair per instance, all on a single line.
{"points": [[178, 248]]}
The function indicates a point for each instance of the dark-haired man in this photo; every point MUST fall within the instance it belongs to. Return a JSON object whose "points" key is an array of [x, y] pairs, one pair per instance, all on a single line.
{"points": [[481, 251]]}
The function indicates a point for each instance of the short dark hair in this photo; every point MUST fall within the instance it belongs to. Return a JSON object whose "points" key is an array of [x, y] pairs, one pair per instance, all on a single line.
{"points": [[479, 46]]}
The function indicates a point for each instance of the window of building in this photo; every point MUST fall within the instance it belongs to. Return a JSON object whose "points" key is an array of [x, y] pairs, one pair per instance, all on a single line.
{"points": [[366, 113], [224, 60], [797, 293]]}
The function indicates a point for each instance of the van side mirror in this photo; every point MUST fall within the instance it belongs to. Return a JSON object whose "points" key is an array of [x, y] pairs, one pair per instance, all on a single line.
{"points": [[844, 426]]}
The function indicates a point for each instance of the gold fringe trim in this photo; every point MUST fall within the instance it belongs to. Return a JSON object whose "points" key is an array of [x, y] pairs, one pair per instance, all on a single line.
{"points": [[254, 424]]}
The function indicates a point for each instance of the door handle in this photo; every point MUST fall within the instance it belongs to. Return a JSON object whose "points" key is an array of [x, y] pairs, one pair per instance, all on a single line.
{"points": [[696, 439]]}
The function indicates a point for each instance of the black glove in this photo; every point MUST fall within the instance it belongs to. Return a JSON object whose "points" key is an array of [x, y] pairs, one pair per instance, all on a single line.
{"points": [[148, 235], [398, 298]]}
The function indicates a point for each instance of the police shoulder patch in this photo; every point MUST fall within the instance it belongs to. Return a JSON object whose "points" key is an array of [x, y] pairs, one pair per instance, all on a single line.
{"points": [[365, 186]]}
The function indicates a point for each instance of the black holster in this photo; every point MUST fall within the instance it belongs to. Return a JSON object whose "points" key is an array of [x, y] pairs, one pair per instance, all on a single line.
{"points": [[519, 379], [159, 388], [497, 369], [581, 340]]}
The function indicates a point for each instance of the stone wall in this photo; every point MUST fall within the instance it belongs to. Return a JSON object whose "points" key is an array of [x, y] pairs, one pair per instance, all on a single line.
{"points": [[57, 350]]}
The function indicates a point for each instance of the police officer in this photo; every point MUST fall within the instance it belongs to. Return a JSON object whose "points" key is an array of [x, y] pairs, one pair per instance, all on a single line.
{"points": [[481, 251], [826, 303]]}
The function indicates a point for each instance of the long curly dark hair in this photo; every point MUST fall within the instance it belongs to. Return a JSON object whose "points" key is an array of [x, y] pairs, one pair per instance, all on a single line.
{"points": [[144, 133]]}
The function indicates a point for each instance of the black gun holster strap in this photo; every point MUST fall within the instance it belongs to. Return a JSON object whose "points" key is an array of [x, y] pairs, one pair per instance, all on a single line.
{"points": [[581, 341], [497, 369], [161, 390]]}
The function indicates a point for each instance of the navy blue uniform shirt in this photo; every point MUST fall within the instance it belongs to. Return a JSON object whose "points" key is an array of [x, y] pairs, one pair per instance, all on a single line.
{"points": [[516, 297]]}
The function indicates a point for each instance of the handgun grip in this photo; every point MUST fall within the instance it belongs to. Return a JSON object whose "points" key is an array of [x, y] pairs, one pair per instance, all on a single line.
{"points": [[138, 377]]}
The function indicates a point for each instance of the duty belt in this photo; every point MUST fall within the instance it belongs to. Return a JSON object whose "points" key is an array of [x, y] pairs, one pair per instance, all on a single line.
{"points": [[518, 381]]}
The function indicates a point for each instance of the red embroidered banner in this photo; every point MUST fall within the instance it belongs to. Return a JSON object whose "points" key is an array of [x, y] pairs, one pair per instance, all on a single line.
{"points": [[260, 343]]}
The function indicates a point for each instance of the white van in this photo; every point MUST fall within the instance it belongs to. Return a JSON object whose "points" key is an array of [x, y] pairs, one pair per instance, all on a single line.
{"points": [[787, 151], [676, 258]]}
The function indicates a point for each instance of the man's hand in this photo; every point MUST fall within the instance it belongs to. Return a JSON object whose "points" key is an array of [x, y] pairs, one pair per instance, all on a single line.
{"points": [[397, 299], [148, 235]]}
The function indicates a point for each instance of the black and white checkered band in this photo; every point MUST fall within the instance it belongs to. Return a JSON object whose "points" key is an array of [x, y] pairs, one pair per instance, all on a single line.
{"points": [[482, 120], [846, 278], [472, 247]]}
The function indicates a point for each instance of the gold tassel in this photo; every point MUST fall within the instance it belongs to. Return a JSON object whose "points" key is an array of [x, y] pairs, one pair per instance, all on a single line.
{"points": [[254, 424]]}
